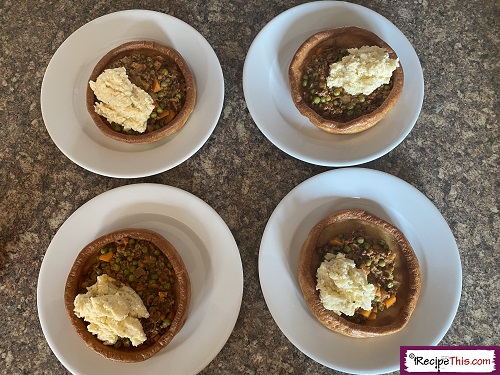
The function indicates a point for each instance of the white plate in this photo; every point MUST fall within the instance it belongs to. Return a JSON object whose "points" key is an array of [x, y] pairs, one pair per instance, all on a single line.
{"points": [[267, 90], [205, 244], [392, 200], [64, 84]]}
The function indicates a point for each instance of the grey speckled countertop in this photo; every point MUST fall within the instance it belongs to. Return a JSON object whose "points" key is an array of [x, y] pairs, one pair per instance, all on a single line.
{"points": [[451, 156]]}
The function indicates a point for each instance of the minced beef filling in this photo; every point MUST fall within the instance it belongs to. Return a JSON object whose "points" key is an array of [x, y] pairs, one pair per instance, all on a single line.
{"points": [[334, 103], [162, 79], [376, 259], [142, 266]]}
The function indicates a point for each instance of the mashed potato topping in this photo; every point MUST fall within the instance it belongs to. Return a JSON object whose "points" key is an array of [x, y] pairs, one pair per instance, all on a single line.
{"points": [[342, 287], [112, 309], [363, 70], [121, 101]]}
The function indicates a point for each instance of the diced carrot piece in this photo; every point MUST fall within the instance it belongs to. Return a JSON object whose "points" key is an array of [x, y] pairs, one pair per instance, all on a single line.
{"points": [[373, 316], [156, 86], [366, 269], [163, 114], [169, 117], [335, 241], [162, 294], [390, 301], [106, 257], [365, 313]]}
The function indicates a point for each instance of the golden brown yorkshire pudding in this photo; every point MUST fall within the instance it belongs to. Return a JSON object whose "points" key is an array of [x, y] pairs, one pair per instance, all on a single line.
{"points": [[150, 265], [163, 74], [386, 257], [333, 109]]}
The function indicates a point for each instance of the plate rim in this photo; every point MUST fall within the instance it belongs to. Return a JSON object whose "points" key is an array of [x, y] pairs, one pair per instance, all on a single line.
{"points": [[216, 222]]}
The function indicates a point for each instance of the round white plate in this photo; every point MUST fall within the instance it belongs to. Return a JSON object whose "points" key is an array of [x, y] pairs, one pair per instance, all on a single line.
{"points": [[267, 90], [64, 85], [205, 244], [392, 200]]}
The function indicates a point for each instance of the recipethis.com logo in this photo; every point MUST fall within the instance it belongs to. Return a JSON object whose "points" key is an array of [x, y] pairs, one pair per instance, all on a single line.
{"points": [[449, 359]]}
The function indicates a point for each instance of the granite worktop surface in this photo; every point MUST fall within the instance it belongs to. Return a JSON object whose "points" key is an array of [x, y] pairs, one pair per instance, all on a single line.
{"points": [[451, 156]]}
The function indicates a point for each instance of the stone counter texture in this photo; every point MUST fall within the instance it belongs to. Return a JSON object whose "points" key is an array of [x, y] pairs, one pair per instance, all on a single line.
{"points": [[451, 156]]}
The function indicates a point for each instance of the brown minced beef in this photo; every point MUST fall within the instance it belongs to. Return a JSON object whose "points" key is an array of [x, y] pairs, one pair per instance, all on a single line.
{"points": [[142, 266], [375, 258], [162, 79], [334, 103]]}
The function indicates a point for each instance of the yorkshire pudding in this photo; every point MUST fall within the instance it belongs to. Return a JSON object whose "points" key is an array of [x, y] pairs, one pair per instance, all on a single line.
{"points": [[150, 265], [367, 240], [332, 109], [160, 71]]}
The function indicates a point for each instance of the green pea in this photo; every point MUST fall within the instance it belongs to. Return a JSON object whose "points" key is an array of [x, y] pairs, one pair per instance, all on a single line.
{"points": [[349, 112], [304, 83], [154, 276], [316, 100], [166, 322], [340, 235], [164, 84], [159, 110], [115, 267], [144, 250], [164, 72], [160, 95], [166, 286], [152, 281], [350, 106], [98, 271], [360, 240], [104, 250], [361, 98], [381, 263], [336, 92], [347, 249], [126, 272], [305, 77], [390, 284], [153, 114], [135, 262], [366, 245], [178, 96], [156, 252], [368, 262]]}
